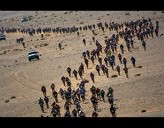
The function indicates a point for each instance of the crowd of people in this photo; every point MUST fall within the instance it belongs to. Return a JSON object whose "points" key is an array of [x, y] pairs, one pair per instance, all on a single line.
{"points": [[140, 29], [103, 60]]}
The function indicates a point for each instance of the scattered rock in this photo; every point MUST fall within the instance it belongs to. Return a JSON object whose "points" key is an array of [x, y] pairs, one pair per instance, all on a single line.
{"points": [[143, 111], [16, 61], [139, 67], [59, 67], [127, 13], [113, 76], [137, 74], [4, 52], [65, 13], [45, 44], [85, 80], [13, 97], [81, 22], [6, 101]]}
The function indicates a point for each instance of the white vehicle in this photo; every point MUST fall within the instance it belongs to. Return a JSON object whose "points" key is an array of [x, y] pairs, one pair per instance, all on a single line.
{"points": [[33, 55], [2, 37]]}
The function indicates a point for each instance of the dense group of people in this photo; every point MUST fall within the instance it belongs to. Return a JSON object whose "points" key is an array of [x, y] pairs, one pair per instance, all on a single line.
{"points": [[140, 29], [103, 57]]}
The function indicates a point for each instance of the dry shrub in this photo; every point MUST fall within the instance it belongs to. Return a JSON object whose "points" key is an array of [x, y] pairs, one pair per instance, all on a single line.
{"points": [[113, 76]]}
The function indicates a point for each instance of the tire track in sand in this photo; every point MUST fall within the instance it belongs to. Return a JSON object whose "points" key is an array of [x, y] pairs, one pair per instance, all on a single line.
{"points": [[22, 81]]}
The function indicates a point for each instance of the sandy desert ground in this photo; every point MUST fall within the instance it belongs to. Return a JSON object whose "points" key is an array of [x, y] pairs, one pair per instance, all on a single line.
{"points": [[21, 80]]}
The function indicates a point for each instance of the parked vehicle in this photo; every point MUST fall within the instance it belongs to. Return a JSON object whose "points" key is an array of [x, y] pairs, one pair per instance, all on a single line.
{"points": [[32, 54], [2, 37]]}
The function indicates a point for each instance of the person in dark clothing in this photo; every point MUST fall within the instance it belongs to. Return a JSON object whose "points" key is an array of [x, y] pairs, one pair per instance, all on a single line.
{"points": [[118, 69], [106, 61], [46, 99], [84, 41], [23, 43], [69, 71], [144, 45], [41, 103], [110, 91], [86, 62], [60, 46], [92, 59], [113, 59], [43, 89], [67, 114], [100, 60], [94, 101], [120, 58], [113, 111], [55, 95], [122, 49], [88, 54], [98, 93], [82, 67], [106, 72], [93, 90], [126, 71], [84, 54], [98, 69], [103, 69], [63, 80], [124, 61], [94, 114], [52, 86], [81, 114], [92, 77], [80, 73], [75, 73], [102, 94], [133, 61], [74, 113]]}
